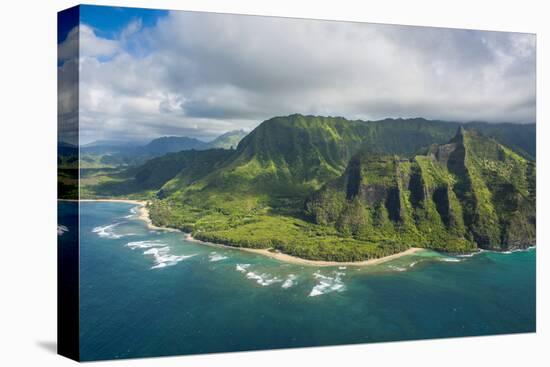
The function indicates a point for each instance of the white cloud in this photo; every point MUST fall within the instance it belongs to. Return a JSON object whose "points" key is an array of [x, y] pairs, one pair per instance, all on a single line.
{"points": [[202, 74], [81, 41], [92, 46]]}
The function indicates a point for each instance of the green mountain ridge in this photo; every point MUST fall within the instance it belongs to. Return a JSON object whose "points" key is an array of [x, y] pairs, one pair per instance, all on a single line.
{"points": [[229, 140], [292, 156], [471, 192], [287, 186], [150, 177], [113, 154]]}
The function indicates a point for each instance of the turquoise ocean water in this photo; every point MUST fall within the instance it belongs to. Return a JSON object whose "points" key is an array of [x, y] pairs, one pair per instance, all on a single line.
{"points": [[152, 293]]}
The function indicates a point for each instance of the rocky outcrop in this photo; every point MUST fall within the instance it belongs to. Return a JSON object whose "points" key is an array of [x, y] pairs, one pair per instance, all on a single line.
{"points": [[471, 192]]}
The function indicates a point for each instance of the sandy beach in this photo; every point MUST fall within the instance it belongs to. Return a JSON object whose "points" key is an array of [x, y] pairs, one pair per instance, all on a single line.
{"points": [[299, 261], [143, 214]]}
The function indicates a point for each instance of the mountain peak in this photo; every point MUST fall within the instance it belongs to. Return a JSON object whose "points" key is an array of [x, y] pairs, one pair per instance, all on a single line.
{"points": [[484, 198], [228, 140]]}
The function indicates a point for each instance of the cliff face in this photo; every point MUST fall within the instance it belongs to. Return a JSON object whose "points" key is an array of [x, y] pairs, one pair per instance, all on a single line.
{"points": [[471, 192], [364, 196]]}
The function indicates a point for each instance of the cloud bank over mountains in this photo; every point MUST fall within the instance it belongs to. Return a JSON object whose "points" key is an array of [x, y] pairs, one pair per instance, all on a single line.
{"points": [[201, 74]]}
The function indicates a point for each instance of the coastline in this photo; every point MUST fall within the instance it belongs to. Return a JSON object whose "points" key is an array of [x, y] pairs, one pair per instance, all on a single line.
{"points": [[143, 215], [300, 261], [143, 212], [129, 201]]}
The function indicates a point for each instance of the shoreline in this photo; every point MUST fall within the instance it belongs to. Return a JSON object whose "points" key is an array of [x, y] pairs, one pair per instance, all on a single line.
{"points": [[300, 261], [129, 201], [144, 216], [143, 212], [280, 256]]}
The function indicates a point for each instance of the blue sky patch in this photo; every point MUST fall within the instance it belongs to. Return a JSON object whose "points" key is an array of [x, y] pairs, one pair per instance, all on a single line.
{"points": [[109, 21]]}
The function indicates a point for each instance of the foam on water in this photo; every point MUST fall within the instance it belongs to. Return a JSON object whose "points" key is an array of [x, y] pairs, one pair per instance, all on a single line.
{"points": [[160, 252], [242, 267], [163, 258], [263, 279], [517, 250], [368, 296], [327, 284], [107, 231], [480, 251], [289, 281], [61, 229], [450, 259], [145, 244], [214, 257], [396, 268], [133, 213], [508, 252]]}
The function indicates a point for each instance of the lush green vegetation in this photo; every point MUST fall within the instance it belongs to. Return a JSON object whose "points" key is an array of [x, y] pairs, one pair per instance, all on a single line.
{"points": [[67, 171], [329, 188], [242, 227], [147, 179], [470, 192], [229, 140]]}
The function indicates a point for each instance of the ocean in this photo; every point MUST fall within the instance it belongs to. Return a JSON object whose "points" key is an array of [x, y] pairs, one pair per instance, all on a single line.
{"points": [[146, 293]]}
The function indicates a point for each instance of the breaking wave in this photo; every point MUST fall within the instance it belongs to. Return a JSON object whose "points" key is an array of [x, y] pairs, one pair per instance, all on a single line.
{"points": [[289, 281], [327, 284], [396, 268], [214, 257], [159, 251], [107, 231], [263, 279], [145, 244], [517, 250], [242, 267], [450, 259], [133, 213], [507, 252], [163, 258], [472, 254]]}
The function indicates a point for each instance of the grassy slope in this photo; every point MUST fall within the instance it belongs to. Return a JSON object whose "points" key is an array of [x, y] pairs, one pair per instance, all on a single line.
{"points": [[468, 193], [255, 195], [229, 140], [147, 179], [256, 198]]}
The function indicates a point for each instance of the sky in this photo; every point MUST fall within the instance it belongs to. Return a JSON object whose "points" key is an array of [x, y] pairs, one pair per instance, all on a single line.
{"points": [[150, 73]]}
